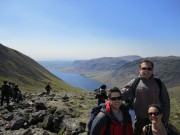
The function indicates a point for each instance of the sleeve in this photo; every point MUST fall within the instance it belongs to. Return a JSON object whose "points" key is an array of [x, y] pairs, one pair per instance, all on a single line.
{"points": [[98, 124], [97, 96], [165, 102], [127, 91], [104, 95]]}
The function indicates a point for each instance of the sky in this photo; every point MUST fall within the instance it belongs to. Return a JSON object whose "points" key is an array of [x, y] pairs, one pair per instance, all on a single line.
{"points": [[88, 29]]}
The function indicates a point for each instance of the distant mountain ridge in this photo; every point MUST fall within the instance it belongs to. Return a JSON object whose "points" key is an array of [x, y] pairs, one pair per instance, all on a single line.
{"points": [[166, 68], [100, 64], [26, 72], [118, 72]]}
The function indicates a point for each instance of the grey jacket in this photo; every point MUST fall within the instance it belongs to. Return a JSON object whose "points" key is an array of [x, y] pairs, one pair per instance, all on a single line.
{"points": [[147, 92]]}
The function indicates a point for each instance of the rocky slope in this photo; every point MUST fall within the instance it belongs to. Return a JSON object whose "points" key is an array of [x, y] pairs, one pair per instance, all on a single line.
{"points": [[41, 114]]}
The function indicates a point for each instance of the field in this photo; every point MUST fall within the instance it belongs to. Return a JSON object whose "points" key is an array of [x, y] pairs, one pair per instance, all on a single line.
{"points": [[174, 94]]}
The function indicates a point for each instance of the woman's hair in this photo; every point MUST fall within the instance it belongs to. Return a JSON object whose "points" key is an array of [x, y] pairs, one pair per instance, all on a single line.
{"points": [[158, 107], [115, 89]]}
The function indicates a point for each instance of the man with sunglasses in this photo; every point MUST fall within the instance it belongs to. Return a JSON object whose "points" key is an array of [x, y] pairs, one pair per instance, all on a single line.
{"points": [[145, 93], [114, 119]]}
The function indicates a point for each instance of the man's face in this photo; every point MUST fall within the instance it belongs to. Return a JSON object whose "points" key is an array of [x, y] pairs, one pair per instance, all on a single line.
{"points": [[115, 100], [146, 70]]}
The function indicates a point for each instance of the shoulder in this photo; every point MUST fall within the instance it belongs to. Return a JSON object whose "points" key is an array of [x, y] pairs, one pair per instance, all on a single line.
{"points": [[100, 119], [134, 80], [170, 129]]}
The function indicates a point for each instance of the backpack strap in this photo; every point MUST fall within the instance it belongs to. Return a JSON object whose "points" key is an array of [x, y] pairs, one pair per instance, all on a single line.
{"points": [[126, 118], [94, 112], [108, 122], [136, 81], [108, 125], [148, 129], [159, 85]]}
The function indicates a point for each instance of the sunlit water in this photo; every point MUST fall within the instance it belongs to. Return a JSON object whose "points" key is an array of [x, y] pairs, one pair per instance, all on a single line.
{"points": [[77, 80]]}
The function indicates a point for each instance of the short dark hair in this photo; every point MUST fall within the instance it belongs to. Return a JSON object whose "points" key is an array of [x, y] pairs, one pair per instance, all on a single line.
{"points": [[5, 82], [147, 61], [115, 89], [103, 86], [157, 106]]}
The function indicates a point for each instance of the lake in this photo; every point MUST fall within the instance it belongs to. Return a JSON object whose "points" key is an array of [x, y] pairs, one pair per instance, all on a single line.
{"points": [[77, 80]]}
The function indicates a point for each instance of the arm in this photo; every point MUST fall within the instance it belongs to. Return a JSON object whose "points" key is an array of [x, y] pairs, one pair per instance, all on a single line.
{"points": [[165, 102], [127, 91]]}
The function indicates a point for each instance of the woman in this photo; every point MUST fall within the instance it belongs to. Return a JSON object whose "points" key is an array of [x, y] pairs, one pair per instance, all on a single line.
{"points": [[157, 127]]}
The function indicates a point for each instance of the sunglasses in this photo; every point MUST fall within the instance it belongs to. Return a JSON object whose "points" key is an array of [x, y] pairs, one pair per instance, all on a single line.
{"points": [[118, 98], [154, 113], [148, 68]]}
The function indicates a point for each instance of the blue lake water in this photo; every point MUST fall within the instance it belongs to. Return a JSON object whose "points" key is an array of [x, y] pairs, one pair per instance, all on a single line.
{"points": [[77, 80]]}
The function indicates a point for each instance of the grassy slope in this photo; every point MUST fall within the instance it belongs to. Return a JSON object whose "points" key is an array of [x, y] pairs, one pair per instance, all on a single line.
{"points": [[174, 94], [38, 86], [27, 73]]}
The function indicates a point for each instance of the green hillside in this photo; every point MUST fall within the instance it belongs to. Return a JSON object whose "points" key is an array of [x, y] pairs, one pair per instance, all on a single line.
{"points": [[27, 73], [32, 77], [174, 94]]}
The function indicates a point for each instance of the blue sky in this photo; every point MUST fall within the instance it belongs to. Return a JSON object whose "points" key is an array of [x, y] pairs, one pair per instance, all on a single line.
{"points": [[87, 29]]}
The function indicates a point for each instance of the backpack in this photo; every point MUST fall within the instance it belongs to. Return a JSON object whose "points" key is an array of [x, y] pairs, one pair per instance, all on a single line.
{"points": [[129, 101], [94, 112], [167, 126]]}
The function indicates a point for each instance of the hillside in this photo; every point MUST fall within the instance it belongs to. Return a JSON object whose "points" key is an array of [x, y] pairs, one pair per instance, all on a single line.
{"points": [[94, 68], [32, 77], [166, 68], [118, 72], [27, 73]]}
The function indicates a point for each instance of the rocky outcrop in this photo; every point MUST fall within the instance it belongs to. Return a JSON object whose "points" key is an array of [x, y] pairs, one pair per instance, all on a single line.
{"points": [[32, 116]]}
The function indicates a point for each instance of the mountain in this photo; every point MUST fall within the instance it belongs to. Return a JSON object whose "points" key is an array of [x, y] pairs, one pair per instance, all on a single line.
{"points": [[166, 68], [118, 71], [93, 67], [26, 72]]}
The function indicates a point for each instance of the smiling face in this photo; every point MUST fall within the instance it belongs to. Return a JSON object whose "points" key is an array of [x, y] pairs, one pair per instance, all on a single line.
{"points": [[115, 101], [154, 115], [146, 70]]}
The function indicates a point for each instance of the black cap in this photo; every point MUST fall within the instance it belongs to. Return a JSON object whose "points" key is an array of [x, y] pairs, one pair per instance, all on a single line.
{"points": [[103, 86], [4, 82]]}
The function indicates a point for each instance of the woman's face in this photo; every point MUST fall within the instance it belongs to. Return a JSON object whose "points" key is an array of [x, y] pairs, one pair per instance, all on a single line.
{"points": [[154, 115], [146, 70]]}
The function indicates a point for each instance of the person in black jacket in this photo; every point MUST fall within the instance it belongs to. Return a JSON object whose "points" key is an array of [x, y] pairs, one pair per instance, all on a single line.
{"points": [[101, 94], [17, 96], [5, 92], [48, 88]]}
